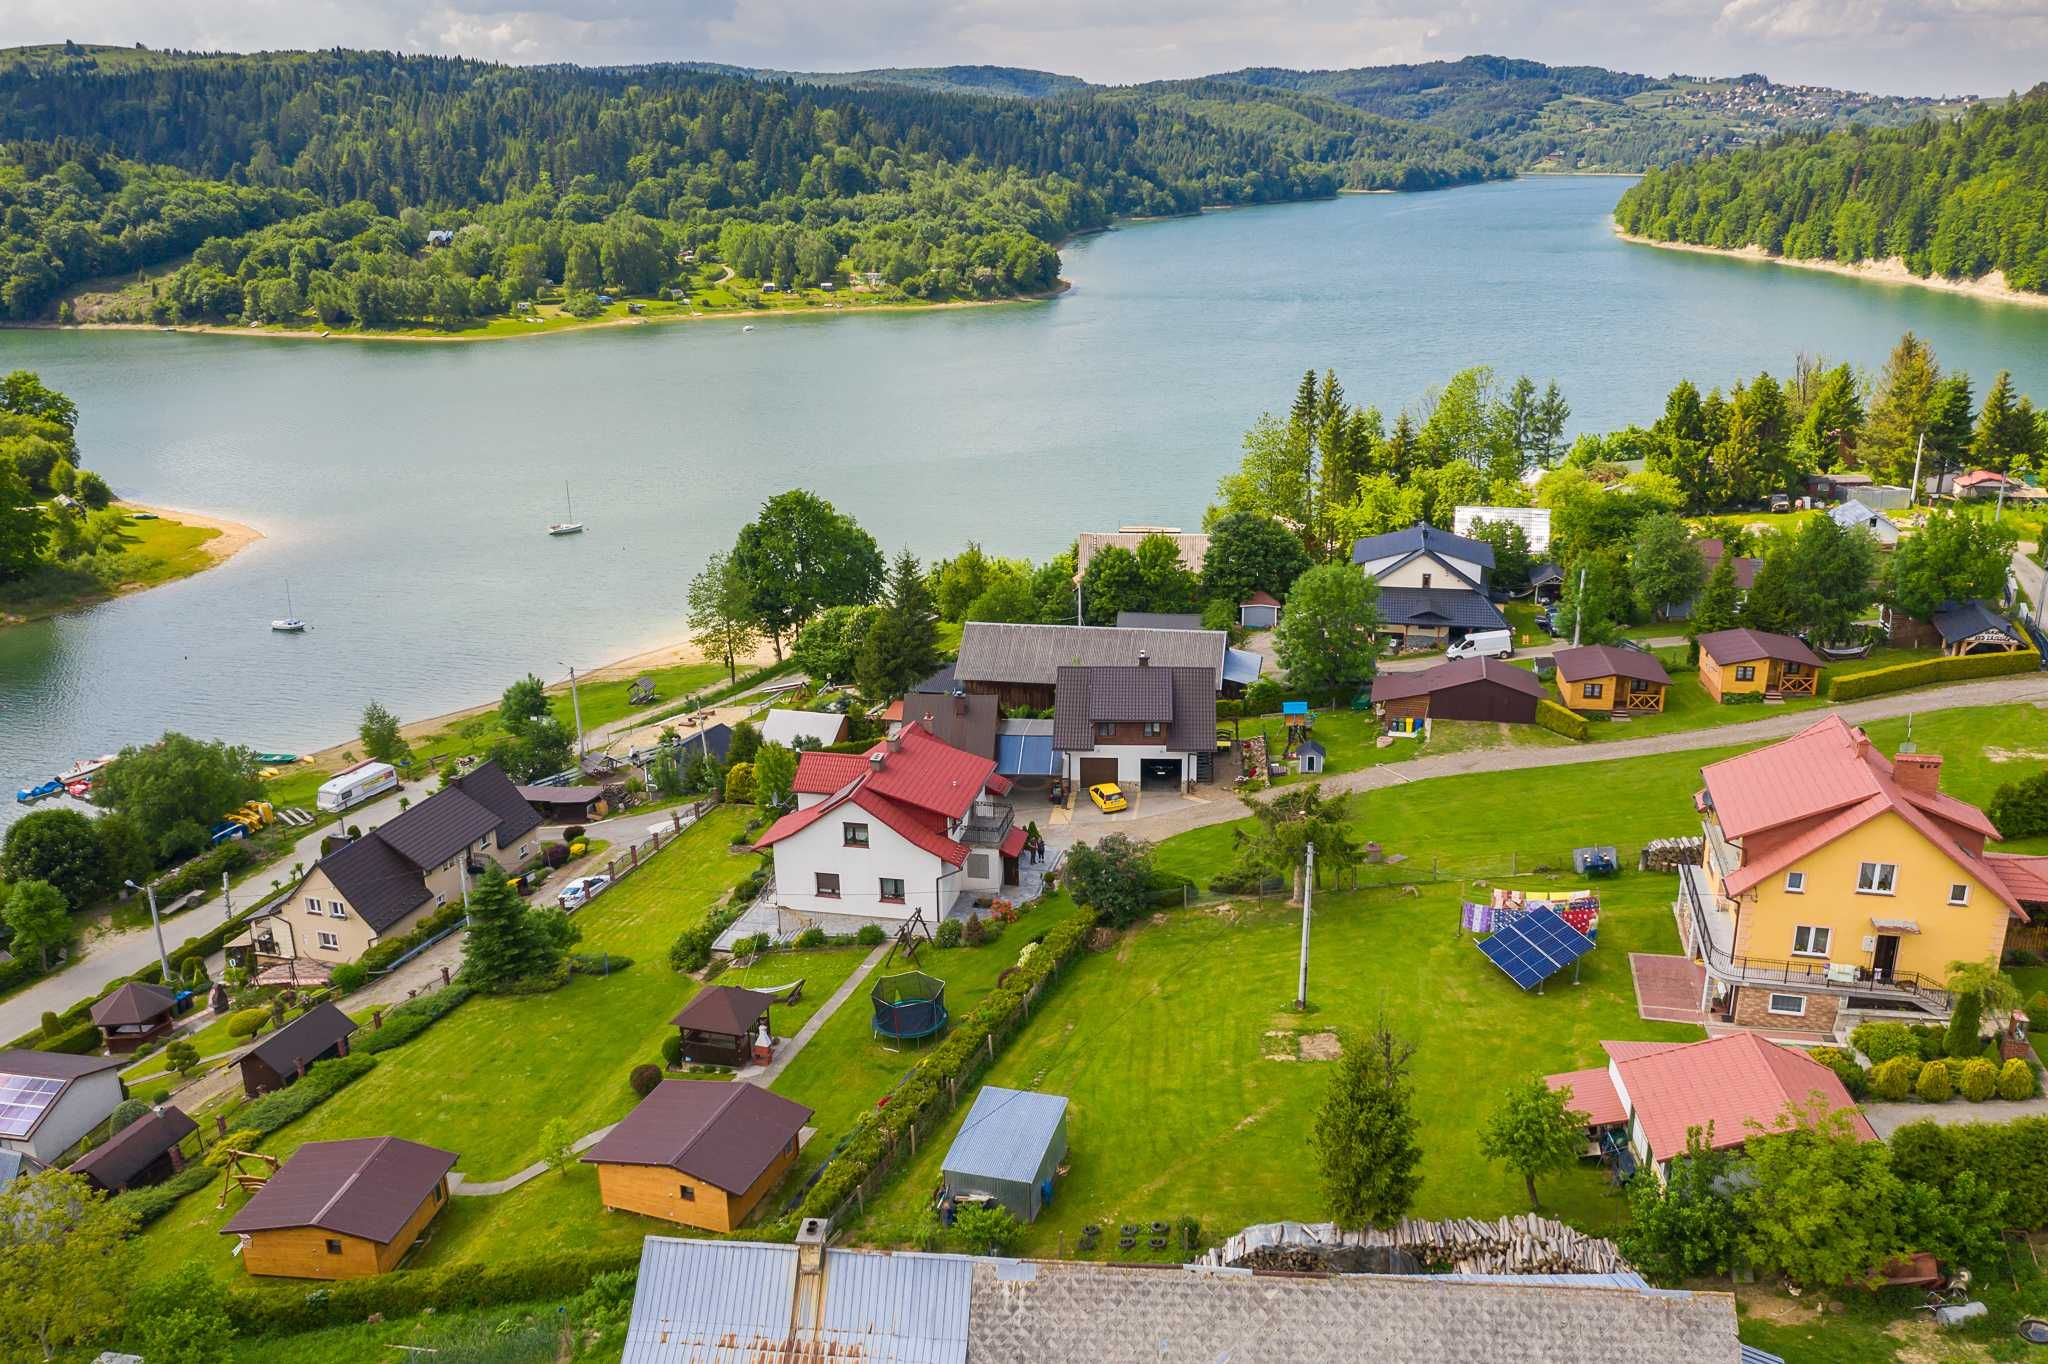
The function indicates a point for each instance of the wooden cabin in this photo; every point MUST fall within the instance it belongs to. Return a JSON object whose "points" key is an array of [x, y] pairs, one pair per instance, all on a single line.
{"points": [[343, 1209], [319, 1034], [1601, 679], [699, 1152], [1741, 662], [144, 1152]]}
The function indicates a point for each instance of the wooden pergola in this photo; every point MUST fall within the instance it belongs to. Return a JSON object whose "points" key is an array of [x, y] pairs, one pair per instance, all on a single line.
{"points": [[721, 1024]]}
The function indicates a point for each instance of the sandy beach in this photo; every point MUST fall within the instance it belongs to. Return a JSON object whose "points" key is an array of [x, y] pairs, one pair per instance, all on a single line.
{"points": [[1991, 287], [234, 536]]}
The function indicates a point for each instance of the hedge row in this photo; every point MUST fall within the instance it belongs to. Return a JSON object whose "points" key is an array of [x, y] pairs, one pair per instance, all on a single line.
{"points": [[2012, 1156], [323, 1080], [1559, 720], [411, 1018], [79, 1039], [925, 1088], [409, 1292], [391, 949], [152, 1201], [1926, 671]]}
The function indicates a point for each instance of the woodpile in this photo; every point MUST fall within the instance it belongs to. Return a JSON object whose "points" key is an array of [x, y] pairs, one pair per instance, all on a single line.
{"points": [[1669, 854], [1521, 1244]]}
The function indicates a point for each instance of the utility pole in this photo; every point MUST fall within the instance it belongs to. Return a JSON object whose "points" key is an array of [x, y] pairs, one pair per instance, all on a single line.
{"points": [[227, 899], [1308, 899], [1918, 451], [163, 958], [1579, 607], [576, 708]]}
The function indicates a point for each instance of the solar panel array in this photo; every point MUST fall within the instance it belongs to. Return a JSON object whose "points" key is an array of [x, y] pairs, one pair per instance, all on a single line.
{"points": [[22, 1101], [1535, 947]]}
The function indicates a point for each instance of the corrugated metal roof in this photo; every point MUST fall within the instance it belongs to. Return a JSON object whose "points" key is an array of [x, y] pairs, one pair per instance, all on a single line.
{"points": [[1242, 665], [997, 652], [1006, 1134], [906, 1308]]}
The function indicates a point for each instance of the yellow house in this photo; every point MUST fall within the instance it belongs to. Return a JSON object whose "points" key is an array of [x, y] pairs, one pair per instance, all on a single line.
{"points": [[1737, 662], [1602, 679], [1837, 882], [699, 1152]]}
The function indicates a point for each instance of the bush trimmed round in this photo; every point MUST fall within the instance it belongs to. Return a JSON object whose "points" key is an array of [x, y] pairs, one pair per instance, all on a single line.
{"points": [[1934, 1085], [645, 1077], [1980, 1080], [2016, 1080], [1893, 1080]]}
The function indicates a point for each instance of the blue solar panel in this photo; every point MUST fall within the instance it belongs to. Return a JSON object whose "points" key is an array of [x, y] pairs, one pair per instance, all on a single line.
{"points": [[1535, 946]]}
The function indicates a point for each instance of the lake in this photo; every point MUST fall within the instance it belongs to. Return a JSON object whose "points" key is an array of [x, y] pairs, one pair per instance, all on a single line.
{"points": [[404, 488]]}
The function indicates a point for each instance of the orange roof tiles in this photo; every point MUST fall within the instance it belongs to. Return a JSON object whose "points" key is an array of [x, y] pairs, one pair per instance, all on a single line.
{"points": [[1729, 1082], [1593, 1094]]}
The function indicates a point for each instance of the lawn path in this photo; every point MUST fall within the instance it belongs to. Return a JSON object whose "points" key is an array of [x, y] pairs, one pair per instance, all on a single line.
{"points": [[2023, 688], [764, 1076]]}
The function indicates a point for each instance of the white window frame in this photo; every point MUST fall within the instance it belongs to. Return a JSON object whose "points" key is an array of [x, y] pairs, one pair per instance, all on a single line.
{"points": [[1593, 691], [1874, 872], [313, 906], [1795, 883], [336, 910], [1771, 1006], [1964, 897], [1813, 933], [329, 942]]}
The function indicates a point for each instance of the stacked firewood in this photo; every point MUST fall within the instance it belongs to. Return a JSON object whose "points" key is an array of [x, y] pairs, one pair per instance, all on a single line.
{"points": [[1521, 1244], [1669, 854]]}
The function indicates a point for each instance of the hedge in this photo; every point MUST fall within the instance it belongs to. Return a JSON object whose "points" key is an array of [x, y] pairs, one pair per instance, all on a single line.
{"points": [[925, 1089], [80, 1039], [1558, 720], [410, 1019], [152, 1201], [409, 1292], [391, 949], [2010, 1156], [1926, 671], [204, 871], [323, 1080]]}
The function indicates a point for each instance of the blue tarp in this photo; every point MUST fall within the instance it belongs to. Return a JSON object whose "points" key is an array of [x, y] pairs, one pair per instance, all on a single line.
{"points": [[1025, 755], [1294, 707]]}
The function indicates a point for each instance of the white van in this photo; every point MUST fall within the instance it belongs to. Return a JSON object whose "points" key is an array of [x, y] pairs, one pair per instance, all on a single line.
{"points": [[1483, 644]]}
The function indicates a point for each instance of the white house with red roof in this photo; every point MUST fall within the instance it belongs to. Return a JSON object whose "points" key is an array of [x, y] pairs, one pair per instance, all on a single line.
{"points": [[1654, 1093], [1837, 882], [912, 826]]}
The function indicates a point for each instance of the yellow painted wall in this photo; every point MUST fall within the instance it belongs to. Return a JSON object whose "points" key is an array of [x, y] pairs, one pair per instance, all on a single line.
{"points": [[301, 1252], [656, 1191], [1614, 693], [1970, 932], [1719, 678]]}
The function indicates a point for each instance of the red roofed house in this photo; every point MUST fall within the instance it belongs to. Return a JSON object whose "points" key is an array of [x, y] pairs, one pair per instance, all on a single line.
{"points": [[1657, 1091], [1838, 882], [911, 825]]}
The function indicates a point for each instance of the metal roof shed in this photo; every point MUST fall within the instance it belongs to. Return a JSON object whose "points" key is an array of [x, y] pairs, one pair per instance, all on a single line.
{"points": [[1009, 1149]]}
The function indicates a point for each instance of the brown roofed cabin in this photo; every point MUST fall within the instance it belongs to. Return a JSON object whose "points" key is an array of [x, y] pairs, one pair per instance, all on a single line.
{"points": [[698, 1152], [133, 1015], [1600, 678], [1742, 662], [343, 1209], [720, 1025], [318, 1034], [144, 1152], [1469, 689]]}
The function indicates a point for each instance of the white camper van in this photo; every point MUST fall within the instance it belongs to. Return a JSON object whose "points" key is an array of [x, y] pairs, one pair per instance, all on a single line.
{"points": [[364, 781]]}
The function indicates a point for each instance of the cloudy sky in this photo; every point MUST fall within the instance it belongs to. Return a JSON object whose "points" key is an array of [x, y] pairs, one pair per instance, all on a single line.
{"points": [[1893, 46]]}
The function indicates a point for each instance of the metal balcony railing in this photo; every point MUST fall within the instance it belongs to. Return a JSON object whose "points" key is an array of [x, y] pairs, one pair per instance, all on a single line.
{"points": [[1746, 970], [988, 827]]}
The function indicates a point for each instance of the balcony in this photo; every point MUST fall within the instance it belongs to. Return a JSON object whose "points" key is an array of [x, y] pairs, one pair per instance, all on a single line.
{"points": [[1714, 935], [987, 824]]}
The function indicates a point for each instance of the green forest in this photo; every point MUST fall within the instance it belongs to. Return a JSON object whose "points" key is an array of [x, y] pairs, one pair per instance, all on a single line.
{"points": [[1958, 200]]}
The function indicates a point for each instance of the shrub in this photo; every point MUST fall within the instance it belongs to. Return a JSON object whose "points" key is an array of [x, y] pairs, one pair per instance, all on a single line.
{"points": [[182, 1056], [1845, 1068], [672, 1050], [1892, 1080], [351, 976], [145, 1205], [1962, 1039], [2016, 1080], [973, 933], [241, 1139], [324, 1079], [1113, 878], [948, 934], [1926, 671], [1934, 1085], [595, 964], [1880, 1042], [410, 1019], [125, 1113], [813, 936], [52, 1024], [739, 784], [645, 1077], [1262, 697], [80, 1039], [245, 1022], [559, 1274], [987, 1229], [870, 935], [1980, 1080], [1558, 720], [2020, 808]]}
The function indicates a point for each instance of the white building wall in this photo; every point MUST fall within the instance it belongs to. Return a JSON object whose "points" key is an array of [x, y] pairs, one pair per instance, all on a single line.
{"points": [[1411, 574], [822, 848], [85, 1103], [1129, 761]]}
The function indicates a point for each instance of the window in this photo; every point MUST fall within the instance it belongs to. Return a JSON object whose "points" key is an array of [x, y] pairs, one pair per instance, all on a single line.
{"points": [[1795, 882], [686, 1193], [1745, 672], [856, 835], [1593, 690], [1808, 941], [312, 905], [440, 1191], [1105, 729], [1876, 878], [439, 900], [336, 910], [329, 943], [1959, 893], [892, 890], [333, 1246], [1640, 684], [828, 884], [1153, 729], [1789, 1006]]}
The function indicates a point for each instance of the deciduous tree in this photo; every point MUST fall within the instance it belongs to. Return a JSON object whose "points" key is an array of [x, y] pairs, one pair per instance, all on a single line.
{"points": [[1327, 639], [380, 734], [39, 920], [1823, 1207], [1113, 877], [1686, 1226], [799, 556], [61, 848], [65, 1260], [1954, 556], [1365, 1136], [182, 1318], [721, 617], [1665, 568], [1534, 1131], [774, 775]]}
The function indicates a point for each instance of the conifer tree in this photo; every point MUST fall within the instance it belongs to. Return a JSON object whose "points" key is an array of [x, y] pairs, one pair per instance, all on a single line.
{"points": [[902, 648], [1365, 1134]]}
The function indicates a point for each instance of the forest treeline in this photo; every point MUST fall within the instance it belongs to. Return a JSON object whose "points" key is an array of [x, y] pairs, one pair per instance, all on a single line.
{"points": [[312, 179], [1955, 199]]}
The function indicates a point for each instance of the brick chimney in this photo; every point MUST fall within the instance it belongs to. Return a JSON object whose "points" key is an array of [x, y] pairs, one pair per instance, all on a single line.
{"points": [[1918, 772], [1144, 659]]}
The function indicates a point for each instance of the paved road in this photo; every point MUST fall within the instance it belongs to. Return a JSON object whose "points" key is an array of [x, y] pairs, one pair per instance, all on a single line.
{"points": [[2027, 688]]}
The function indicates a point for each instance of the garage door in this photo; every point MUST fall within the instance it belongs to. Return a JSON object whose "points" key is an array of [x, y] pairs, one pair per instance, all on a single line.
{"points": [[1159, 773], [1097, 770]]}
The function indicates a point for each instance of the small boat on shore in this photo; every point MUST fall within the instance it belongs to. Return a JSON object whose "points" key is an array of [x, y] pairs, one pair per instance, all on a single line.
{"points": [[84, 768], [29, 795]]}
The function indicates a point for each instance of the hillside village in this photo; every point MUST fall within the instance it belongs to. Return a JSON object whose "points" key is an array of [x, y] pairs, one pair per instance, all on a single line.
{"points": [[1501, 909]]}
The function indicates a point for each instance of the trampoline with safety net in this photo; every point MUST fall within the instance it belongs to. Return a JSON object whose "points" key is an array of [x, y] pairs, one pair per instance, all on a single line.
{"points": [[908, 1006]]}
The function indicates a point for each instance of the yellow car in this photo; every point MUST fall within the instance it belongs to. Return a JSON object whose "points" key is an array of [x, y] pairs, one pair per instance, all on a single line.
{"points": [[1108, 797]]}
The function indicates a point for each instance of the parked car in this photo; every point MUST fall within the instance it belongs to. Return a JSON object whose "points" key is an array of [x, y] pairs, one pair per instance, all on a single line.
{"points": [[580, 891], [1108, 797], [1483, 644], [1781, 502]]}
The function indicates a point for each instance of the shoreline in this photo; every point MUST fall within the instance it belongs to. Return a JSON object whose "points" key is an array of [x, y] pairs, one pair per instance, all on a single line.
{"points": [[1990, 288], [232, 538], [229, 538], [578, 325]]}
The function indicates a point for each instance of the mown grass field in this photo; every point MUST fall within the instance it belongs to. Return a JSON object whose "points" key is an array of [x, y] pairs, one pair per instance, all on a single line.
{"points": [[153, 552], [1688, 706]]}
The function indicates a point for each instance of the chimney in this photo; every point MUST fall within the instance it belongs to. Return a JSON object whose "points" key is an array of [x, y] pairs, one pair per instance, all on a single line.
{"points": [[895, 742], [959, 702], [876, 759], [1919, 773], [1144, 659], [807, 1312]]}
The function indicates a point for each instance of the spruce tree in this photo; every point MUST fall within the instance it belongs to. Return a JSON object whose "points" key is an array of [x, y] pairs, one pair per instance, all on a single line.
{"points": [[507, 942], [1962, 1037], [1365, 1135], [902, 648], [2007, 430]]}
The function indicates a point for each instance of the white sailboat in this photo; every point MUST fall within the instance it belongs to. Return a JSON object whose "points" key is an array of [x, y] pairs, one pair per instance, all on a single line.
{"points": [[571, 526], [289, 624]]}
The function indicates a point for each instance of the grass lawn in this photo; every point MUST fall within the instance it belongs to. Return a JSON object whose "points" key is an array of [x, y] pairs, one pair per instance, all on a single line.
{"points": [[154, 552], [1687, 705], [1167, 1048], [483, 1081], [822, 970], [1350, 739]]}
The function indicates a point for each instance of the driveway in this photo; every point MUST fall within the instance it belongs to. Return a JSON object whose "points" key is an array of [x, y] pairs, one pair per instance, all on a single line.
{"points": [[1889, 1118], [1080, 822]]}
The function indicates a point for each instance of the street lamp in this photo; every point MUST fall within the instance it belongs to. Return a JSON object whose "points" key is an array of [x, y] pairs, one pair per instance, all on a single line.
{"points": [[162, 957]]}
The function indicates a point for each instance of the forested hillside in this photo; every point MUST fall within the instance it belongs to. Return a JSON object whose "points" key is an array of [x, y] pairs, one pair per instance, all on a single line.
{"points": [[1952, 199]]}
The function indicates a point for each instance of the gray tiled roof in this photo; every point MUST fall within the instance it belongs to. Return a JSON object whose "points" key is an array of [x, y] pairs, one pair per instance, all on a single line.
{"points": [[1958, 621], [1422, 537], [1032, 655], [489, 787], [1190, 721], [438, 828], [1455, 607], [379, 883], [1139, 694]]}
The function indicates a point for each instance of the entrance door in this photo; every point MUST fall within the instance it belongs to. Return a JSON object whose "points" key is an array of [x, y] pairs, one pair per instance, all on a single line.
{"points": [[1885, 959]]}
